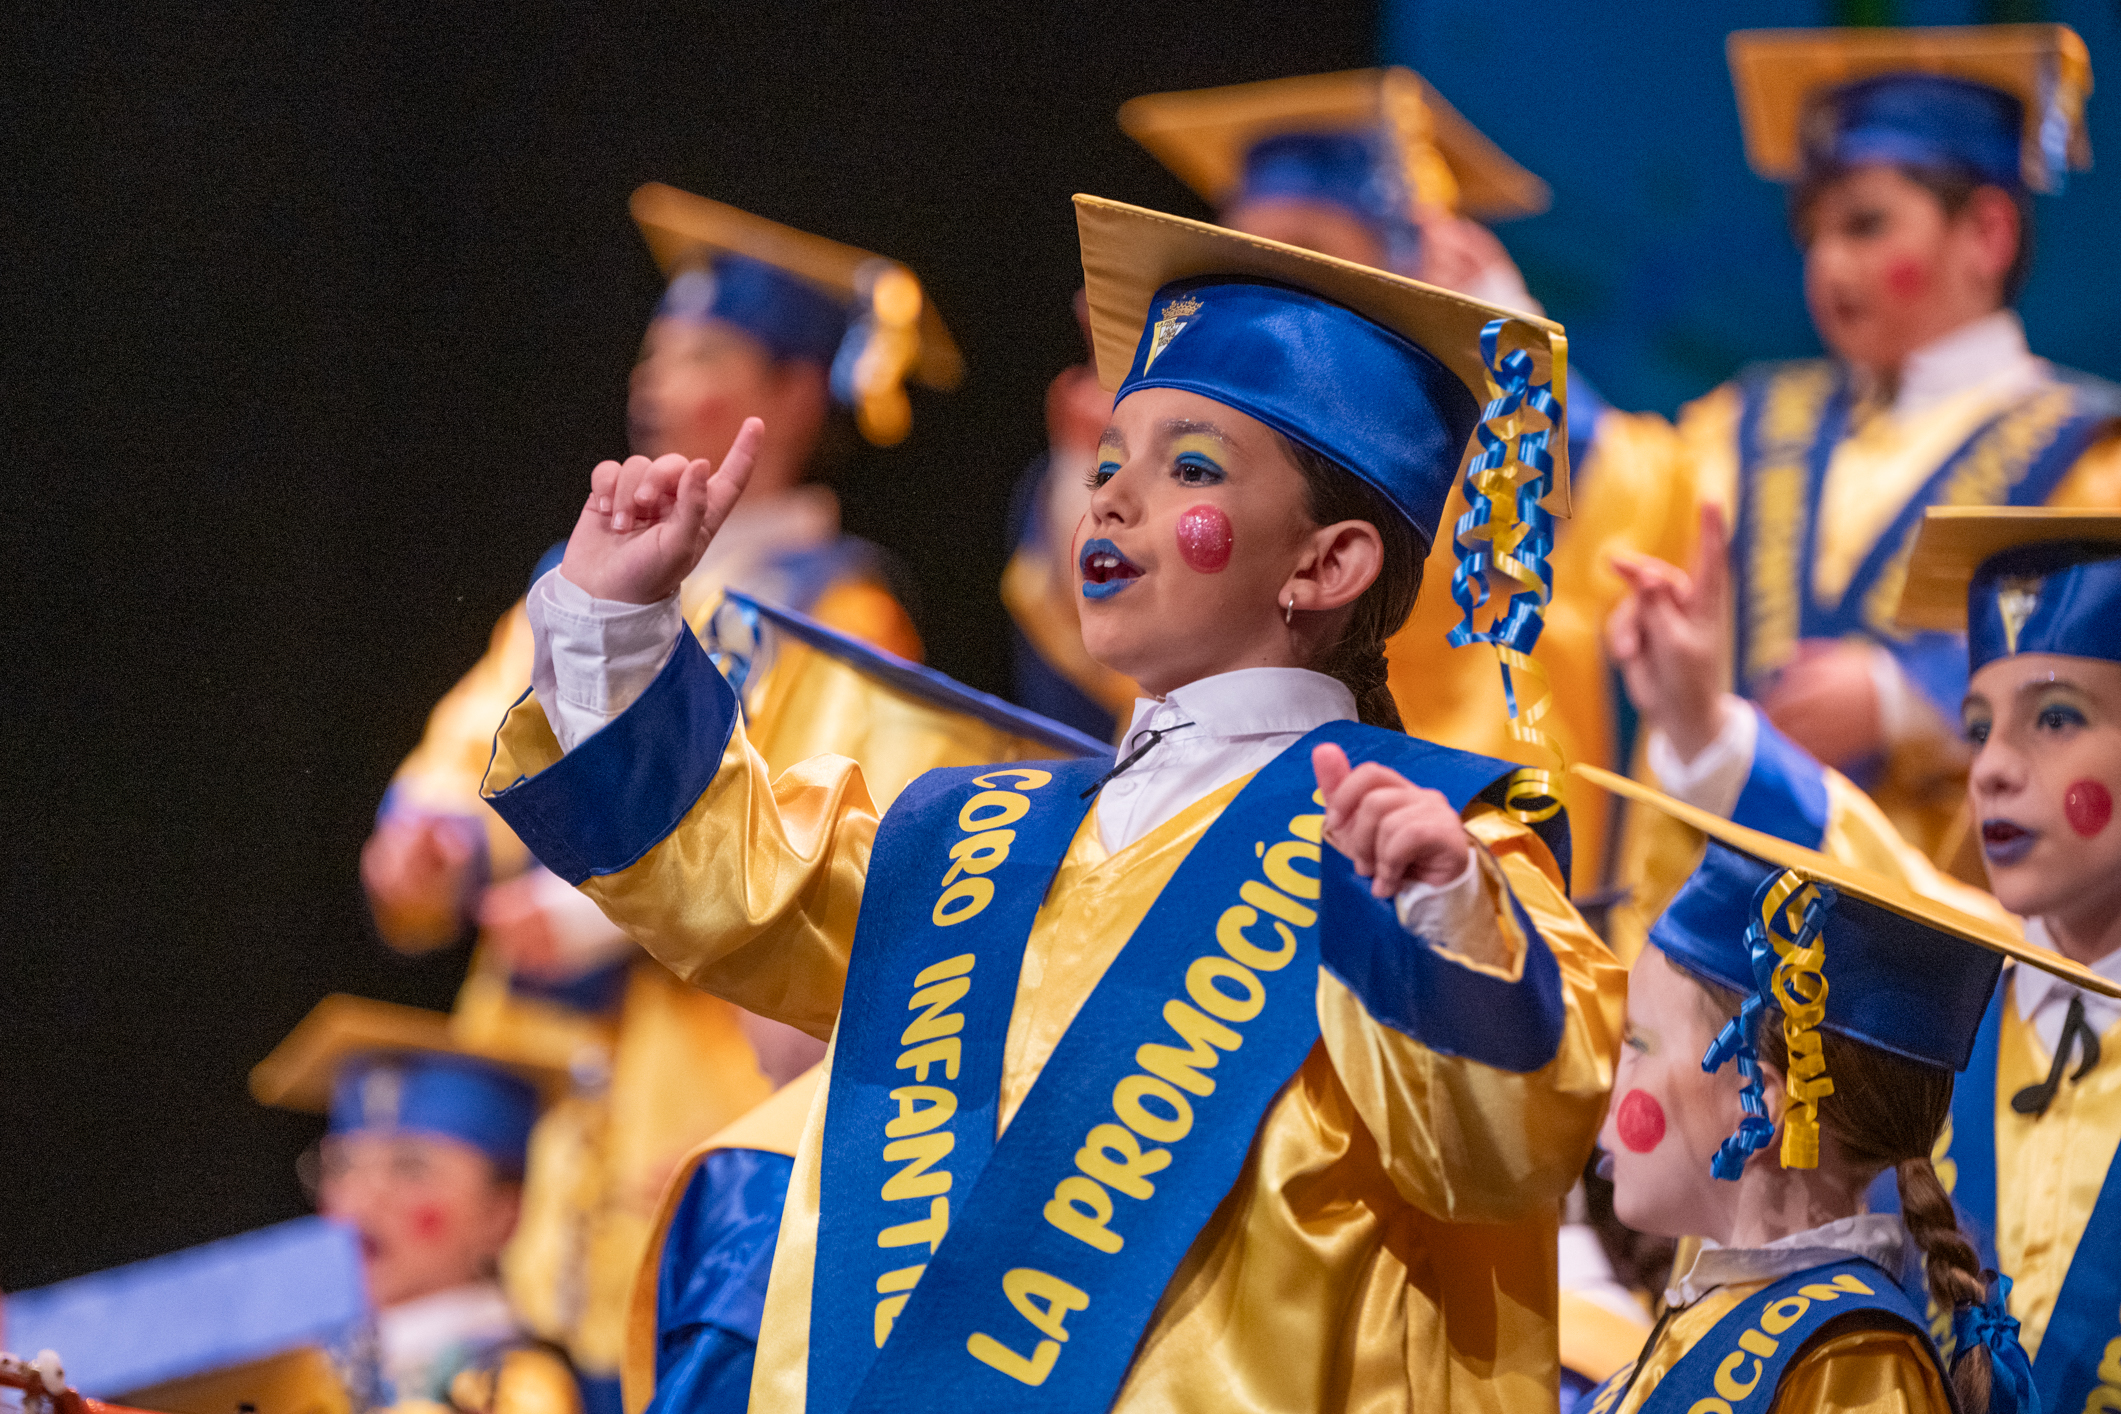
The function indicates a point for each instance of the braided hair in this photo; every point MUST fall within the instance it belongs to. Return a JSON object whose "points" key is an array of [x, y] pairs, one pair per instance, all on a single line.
{"points": [[1333, 494], [1886, 1111]]}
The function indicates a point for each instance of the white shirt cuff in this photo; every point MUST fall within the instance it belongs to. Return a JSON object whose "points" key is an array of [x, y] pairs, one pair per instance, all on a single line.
{"points": [[1456, 916], [593, 656], [1714, 779]]}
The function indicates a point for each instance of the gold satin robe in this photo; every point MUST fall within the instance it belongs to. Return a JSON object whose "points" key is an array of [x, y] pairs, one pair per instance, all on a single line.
{"points": [[1390, 1243]]}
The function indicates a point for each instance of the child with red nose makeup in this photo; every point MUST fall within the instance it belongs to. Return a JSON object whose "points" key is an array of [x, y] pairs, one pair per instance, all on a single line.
{"points": [[1913, 158], [1248, 1069], [1794, 1026]]}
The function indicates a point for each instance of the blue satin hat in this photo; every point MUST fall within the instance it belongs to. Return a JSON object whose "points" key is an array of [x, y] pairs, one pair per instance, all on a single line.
{"points": [[1836, 949], [1367, 140], [1384, 375], [1343, 169], [2018, 580], [472, 1101], [376, 1066], [864, 317], [793, 318], [2003, 103]]}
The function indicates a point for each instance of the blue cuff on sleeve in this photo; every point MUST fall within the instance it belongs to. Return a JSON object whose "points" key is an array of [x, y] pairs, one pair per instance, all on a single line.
{"points": [[605, 804], [1785, 792], [1448, 1007]]}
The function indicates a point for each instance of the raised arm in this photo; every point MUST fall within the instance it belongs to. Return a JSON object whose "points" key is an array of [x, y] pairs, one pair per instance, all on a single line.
{"points": [[658, 808]]}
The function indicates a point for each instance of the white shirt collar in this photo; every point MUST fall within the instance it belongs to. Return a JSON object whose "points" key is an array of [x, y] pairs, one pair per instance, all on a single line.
{"points": [[1990, 349], [415, 1334], [2033, 986], [1879, 1237], [1248, 702], [1221, 728]]}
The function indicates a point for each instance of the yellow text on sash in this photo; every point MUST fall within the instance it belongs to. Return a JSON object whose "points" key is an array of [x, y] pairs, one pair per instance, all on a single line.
{"points": [[918, 1137], [1151, 1106]]}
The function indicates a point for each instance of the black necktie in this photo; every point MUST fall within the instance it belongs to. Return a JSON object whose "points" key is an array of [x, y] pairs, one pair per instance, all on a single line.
{"points": [[2034, 1099], [1155, 735]]}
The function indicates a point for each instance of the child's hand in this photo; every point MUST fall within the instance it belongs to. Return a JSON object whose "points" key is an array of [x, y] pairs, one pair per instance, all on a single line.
{"points": [[1394, 832], [1670, 637], [646, 523]]}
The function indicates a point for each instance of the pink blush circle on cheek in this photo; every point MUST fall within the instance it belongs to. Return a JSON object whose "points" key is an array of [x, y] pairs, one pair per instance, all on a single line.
{"points": [[1639, 1122], [2088, 806], [1204, 538]]}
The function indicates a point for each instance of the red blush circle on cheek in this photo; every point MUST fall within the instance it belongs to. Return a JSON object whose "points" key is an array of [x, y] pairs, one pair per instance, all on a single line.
{"points": [[1907, 279], [1640, 1122], [1204, 538], [2088, 806], [428, 1220]]}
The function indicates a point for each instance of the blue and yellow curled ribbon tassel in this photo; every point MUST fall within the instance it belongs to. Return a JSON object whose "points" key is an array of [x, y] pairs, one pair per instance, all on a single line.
{"points": [[1786, 938], [1507, 530]]}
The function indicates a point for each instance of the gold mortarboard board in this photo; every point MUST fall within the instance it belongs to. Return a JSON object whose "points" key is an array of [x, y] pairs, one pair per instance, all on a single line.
{"points": [[300, 1072], [1876, 889], [1204, 135], [1129, 253], [1778, 73], [906, 336], [1955, 540]]}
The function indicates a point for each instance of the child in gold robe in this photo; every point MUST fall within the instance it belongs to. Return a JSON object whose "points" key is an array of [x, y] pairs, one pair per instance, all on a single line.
{"points": [[1260, 1080]]}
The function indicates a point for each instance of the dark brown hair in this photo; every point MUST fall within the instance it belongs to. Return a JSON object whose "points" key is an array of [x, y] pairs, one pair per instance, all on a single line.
{"points": [[1333, 494], [1886, 1112], [1954, 188]]}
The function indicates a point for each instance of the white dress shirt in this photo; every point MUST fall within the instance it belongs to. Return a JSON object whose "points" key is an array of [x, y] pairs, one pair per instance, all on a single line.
{"points": [[1876, 1236], [594, 657], [422, 1339], [2043, 998]]}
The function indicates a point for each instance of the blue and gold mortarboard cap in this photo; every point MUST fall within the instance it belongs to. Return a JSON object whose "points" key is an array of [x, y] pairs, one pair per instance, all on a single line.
{"points": [[1837, 949], [379, 1066], [2005, 102], [1358, 139], [864, 316], [1384, 375], [2018, 579]]}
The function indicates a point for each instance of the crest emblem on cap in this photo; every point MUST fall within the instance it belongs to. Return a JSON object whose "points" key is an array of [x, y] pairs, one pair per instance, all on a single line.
{"points": [[382, 1093], [2016, 598], [1176, 315]]}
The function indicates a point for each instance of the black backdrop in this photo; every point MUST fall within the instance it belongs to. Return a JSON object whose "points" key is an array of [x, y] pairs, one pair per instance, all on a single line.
{"points": [[315, 319]]}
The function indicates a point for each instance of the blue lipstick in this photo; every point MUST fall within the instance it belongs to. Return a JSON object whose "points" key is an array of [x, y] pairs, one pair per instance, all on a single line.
{"points": [[1105, 570], [2006, 842]]}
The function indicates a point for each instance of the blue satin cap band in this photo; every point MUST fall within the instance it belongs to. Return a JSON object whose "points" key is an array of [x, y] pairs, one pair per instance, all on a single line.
{"points": [[793, 318], [1349, 389], [1338, 168], [1891, 982], [1921, 120], [2059, 597], [482, 1105]]}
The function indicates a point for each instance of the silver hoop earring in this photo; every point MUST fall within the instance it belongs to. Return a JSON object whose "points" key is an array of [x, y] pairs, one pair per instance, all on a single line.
{"points": [[1288, 611]]}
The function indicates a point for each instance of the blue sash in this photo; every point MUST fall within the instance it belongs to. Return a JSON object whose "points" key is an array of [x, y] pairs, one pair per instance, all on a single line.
{"points": [[1041, 1259], [2084, 1332], [1738, 1366], [1792, 418]]}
